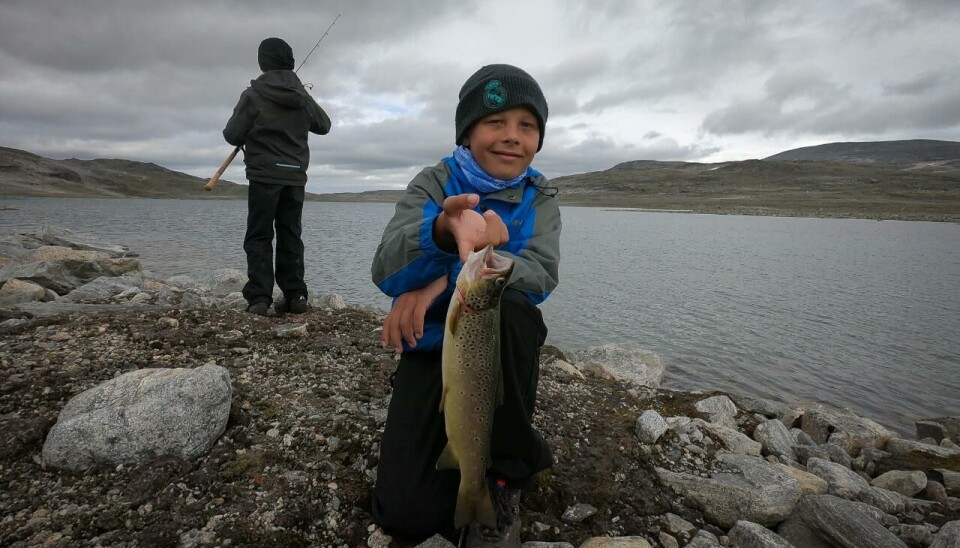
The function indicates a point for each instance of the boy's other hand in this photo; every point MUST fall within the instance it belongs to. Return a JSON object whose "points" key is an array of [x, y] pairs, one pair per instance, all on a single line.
{"points": [[469, 230], [404, 322]]}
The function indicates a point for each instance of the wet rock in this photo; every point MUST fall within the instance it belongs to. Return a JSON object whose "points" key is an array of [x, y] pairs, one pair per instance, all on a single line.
{"points": [[746, 534], [844, 428], [145, 413], [841, 481], [754, 491], [845, 523], [775, 439], [624, 362], [907, 483], [16, 291], [948, 536], [717, 405]]}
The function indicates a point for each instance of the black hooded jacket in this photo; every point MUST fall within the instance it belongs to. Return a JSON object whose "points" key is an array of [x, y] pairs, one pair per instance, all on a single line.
{"points": [[271, 121]]}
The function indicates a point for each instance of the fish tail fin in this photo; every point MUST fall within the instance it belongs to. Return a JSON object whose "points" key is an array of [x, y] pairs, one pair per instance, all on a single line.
{"points": [[448, 460], [475, 505]]}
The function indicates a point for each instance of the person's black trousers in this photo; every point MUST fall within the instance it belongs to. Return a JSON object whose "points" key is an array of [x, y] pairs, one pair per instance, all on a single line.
{"points": [[412, 499], [268, 206]]}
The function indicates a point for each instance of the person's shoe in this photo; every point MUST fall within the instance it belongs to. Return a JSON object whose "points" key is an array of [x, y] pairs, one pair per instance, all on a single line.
{"points": [[507, 533], [260, 308], [295, 305]]}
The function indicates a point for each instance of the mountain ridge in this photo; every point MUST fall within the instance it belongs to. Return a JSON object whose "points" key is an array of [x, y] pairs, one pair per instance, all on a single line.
{"points": [[915, 179]]}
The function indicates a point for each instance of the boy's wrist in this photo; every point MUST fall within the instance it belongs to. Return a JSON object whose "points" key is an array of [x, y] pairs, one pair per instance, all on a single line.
{"points": [[442, 236]]}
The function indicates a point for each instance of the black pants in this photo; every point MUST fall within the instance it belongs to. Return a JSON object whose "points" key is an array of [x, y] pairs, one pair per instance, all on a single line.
{"points": [[269, 205], [412, 499]]}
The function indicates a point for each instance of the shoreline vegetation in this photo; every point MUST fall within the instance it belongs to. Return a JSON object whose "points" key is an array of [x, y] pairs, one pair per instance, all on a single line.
{"points": [[289, 450], [917, 180]]}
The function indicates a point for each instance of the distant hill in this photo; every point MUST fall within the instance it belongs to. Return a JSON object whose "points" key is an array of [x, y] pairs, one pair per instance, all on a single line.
{"points": [[913, 154], [26, 174], [910, 180], [922, 184]]}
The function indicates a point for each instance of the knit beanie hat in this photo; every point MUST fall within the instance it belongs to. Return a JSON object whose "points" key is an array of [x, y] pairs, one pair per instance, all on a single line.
{"points": [[496, 88], [275, 54]]}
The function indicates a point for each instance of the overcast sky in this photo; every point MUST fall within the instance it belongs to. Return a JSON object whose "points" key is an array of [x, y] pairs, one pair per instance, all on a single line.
{"points": [[703, 81]]}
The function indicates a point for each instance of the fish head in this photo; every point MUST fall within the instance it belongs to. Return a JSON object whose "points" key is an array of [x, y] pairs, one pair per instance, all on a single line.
{"points": [[483, 279]]}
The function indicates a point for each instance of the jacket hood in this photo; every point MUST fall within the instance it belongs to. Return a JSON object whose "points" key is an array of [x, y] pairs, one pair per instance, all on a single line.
{"points": [[282, 87]]}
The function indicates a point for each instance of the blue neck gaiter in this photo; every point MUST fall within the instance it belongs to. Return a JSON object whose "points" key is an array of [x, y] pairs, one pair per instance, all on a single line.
{"points": [[482, 181]]}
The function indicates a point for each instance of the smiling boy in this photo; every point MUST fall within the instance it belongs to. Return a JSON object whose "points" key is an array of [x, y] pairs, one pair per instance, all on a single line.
{"points": [[485, 193]]}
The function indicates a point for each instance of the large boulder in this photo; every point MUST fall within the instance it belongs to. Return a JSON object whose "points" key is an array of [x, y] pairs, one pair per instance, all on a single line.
{"points": [[841, 481], [939, 429], [746, 534], [732, 439], [775, 439], [62, 269], [58, 236], [100, 289], [623, 362], [914, 455], [20, 291], [755, 491], [948, 536], [844, 428], [844, 523], [139, 415], [906, 482]]}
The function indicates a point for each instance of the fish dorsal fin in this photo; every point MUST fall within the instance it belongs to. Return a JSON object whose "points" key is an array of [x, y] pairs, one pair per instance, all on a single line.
{"points": [[447, 460]]}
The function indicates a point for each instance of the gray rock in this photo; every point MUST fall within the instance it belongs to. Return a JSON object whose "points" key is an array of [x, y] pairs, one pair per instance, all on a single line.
{"points": [[704, 539], [913, 455], [947, 444], [564, 367], [939, 428], [948, 536], [796, 531], [810, 484], [62, 269], [650, 426], [667, 541], [755, 491], [845, 523], [844, 428], [290, 330], [934, 491], [182, 281], [775, 439], [732, 439], [768, 408], [841, 481], [907, 483], [717, 405], [58, 308], [59, 236], [616, 542], [436, 541], [623, 362], [331, 301], [746, 534], [806, 452], [802, 438], [16, 291], [675, 524], [141, 414], [949, 478], [916, 535], [836, 454], [100, 289], [883, 499], [225, 281], [538, 544], [578, 512]]}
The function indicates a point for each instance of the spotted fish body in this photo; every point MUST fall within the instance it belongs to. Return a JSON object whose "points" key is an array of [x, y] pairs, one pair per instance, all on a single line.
{"points": [[473, 381]]}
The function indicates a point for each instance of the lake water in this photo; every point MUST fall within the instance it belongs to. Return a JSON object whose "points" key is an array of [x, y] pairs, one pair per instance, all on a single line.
{"points": [[863, 314]]}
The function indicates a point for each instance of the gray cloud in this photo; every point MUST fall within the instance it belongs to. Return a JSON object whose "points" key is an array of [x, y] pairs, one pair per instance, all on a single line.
{"points": [[625, 80]]}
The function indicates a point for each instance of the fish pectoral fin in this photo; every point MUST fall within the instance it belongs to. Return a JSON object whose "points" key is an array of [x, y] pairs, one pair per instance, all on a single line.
{"points": [[448, 460]]}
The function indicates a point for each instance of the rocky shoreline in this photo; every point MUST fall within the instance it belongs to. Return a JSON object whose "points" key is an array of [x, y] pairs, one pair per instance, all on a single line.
{"points": [[637, 465]]}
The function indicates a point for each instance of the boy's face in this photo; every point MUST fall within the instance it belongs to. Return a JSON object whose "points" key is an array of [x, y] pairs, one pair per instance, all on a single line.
{"points": [[504, 143]]}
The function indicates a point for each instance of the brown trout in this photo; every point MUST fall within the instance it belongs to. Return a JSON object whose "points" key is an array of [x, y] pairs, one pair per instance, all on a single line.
{"points": [[473, 381]]}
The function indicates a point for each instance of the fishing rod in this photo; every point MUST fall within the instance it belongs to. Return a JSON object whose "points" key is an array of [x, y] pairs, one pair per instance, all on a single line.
{"points": [[226, 163]]}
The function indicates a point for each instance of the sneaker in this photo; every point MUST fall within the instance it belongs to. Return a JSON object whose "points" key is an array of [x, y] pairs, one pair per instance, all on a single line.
{"points": [[260, 308], [507, 533], [294, 305]]}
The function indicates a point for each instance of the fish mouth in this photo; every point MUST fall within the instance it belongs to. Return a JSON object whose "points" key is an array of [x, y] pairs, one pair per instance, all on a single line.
{"points": [[485, 264]]}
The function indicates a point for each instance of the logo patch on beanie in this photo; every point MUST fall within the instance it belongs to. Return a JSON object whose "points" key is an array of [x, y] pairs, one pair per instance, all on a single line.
{"points": [[494, 95]]}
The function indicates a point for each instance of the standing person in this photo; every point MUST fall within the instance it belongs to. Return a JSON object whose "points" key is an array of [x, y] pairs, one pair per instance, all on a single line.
{"points": [[484, 193], [271, 122]]}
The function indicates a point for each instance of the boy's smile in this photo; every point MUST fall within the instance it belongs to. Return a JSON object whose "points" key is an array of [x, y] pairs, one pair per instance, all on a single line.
{"points": [[504, 143]]}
